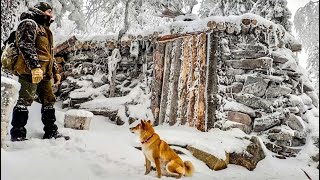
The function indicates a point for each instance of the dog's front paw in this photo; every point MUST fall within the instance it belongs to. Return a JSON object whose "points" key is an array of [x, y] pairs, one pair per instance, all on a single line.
{"points": [[159, 175], [147, 172]]}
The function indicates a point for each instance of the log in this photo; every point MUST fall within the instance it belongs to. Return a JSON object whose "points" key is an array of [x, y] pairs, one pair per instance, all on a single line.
{"points": [[214, 25], [174, 89], [209, 24], [168, 37], [230, 28], [184, 80], [157, 80], [61, 47], [246, 22], [165, 85], [202, 85], [221, 26], [139, 37], [191, 80], [245, 26], [212, 79], [77, 119], [254, 22]]}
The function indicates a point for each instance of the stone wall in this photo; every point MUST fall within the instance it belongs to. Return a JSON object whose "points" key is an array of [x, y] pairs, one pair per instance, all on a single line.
{"points": [[263, 90], [260, 88]]}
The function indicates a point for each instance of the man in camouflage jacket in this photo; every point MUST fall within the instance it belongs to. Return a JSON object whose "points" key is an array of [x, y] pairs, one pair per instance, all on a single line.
{"points": [[35, 68]]}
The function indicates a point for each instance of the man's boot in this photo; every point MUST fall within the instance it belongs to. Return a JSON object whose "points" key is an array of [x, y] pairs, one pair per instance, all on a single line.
{"points": [[48, 118], [19, 120]]}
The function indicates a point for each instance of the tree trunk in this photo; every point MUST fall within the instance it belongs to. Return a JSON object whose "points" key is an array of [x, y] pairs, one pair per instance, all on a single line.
{"points": [[212, 79], [157, 80]]}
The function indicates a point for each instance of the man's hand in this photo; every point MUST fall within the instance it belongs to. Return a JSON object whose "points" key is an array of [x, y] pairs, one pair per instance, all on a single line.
{"points": [[57, 79], [37, 75]]}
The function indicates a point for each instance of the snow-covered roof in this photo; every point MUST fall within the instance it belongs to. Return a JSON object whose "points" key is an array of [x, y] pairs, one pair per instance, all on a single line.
{"points": [[236, 25]]}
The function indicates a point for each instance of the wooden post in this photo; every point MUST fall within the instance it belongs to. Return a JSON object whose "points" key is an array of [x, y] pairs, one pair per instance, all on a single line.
{"points": [[174, 89], [165, 85], [191, 80], [212, 81], [158, 57], [184, 80], [202, 84]]}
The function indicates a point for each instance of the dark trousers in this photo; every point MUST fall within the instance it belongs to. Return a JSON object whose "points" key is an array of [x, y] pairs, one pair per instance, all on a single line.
{"points": [[27, 94]]}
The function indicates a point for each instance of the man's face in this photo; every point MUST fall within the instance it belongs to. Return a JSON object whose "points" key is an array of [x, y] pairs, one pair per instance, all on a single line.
{"points": [[49, 13]]}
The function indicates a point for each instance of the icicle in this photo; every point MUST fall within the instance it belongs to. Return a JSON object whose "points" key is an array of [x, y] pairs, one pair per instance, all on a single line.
{"points": [[134, 49]]}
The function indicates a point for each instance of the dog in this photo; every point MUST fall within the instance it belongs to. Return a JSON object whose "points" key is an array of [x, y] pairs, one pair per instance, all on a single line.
{"points": [[159, 152]]}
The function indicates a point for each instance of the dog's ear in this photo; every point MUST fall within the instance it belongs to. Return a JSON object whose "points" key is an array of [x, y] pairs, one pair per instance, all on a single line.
{"points": [[142, 122], [149, 121]]}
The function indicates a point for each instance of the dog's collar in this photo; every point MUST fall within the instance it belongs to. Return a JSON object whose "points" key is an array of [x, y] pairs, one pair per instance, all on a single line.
{"points": [[147, 139]]}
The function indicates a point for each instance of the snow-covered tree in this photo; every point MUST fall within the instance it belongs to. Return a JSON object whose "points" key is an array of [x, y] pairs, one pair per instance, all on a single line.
{"points": [[111, 14], [74, 9], [10, 11], [306, 23], [225, 7], [275, 11]]}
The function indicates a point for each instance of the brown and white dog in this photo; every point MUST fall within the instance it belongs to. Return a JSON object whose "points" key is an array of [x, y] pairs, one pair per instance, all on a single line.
{"points": [[159, 152]]}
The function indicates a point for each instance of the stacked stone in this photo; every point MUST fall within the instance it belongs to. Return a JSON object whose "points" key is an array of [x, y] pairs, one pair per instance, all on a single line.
{"points": [[263, 90]]}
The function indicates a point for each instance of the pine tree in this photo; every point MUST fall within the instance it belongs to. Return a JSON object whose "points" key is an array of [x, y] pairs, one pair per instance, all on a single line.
{"points": [[306, 23], [225, 7], [275, 11], [10, 10]]}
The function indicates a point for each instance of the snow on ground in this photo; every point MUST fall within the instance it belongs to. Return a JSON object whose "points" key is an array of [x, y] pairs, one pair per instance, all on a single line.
{"points": [[106, 152]]}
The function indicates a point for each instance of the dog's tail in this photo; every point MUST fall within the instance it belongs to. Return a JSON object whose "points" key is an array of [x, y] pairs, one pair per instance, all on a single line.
{"points": [[189, 169]]}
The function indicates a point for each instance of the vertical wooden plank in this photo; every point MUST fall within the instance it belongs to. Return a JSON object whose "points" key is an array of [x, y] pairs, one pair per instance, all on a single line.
{"points": [[183, 80], [170, 81], [212, 79], [156, 88], [175, 81], [191, 80], [165, 85], [196, 82], [202, 84]]}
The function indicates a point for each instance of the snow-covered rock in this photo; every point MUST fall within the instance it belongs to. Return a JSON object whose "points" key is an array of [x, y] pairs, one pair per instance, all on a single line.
{"points": [[9, 96]]}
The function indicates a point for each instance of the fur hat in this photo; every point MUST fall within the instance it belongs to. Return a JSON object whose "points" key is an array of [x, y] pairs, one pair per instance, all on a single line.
{"points": [[43, 6]]}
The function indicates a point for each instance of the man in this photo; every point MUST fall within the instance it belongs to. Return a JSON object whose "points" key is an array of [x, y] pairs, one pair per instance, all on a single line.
{"points": [[35, 68]]}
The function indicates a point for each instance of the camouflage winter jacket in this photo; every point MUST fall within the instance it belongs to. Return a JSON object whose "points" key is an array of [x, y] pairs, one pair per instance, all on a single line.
{"points": [[35, 44]]}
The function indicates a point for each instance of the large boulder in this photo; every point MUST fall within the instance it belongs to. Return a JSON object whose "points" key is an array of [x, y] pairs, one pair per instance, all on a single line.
{"points": [[210, 160], [254, 101], [239, 117], [295, 123], [282, 151], [255, 85], [314, 97], [250, 157], [77, 119], [235, 87], [276, 91], [227, 125], [9, 96], [235, 106], [268, 121], [249, 64]]}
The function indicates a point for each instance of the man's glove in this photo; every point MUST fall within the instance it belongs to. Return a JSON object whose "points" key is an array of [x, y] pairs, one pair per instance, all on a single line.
{"points": [[57, 79], [37, 75]]}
